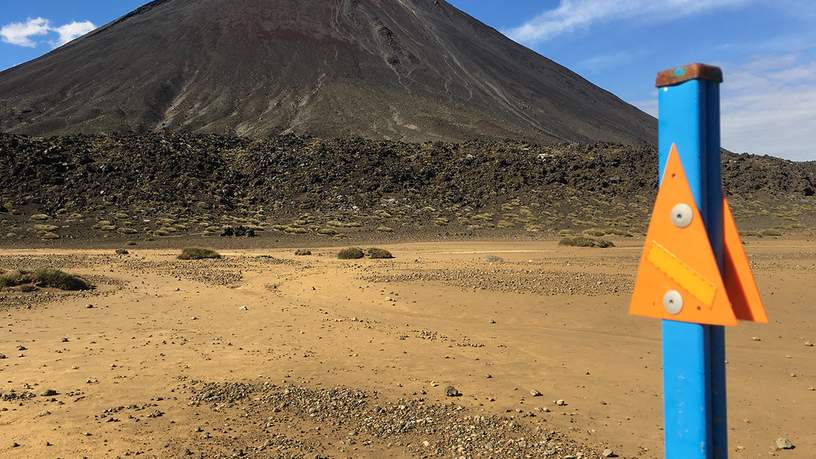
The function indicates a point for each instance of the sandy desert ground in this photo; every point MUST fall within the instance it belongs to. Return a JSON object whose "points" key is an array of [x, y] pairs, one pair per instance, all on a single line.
{"points": [[265, 354]]}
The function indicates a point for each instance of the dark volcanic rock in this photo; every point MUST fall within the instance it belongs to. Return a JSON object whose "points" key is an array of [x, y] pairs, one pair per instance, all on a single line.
{"points": [[156, 183], [413, 70]]}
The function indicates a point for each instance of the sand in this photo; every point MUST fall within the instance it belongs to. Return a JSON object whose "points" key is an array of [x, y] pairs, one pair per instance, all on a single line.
{"points": [[129, 372]]}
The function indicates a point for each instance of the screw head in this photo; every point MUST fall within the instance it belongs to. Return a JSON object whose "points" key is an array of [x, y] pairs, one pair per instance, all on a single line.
{"points": [[681, 215], [673, 302]]}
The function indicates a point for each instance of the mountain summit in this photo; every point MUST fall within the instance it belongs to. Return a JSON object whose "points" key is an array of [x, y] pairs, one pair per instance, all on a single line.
{"points": [[412, 70]]}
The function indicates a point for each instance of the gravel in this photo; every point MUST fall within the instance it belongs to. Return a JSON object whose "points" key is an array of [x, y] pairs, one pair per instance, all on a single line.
{"points": [[414, 426]]}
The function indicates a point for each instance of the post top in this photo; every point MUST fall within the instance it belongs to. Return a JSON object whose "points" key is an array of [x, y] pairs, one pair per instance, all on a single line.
{"points": [[688, 72]]}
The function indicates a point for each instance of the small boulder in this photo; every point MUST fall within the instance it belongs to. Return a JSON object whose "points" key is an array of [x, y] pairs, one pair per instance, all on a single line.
{"points": [[451, 391], [784, 443]]}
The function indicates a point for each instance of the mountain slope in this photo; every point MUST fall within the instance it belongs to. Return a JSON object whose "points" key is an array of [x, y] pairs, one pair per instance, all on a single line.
{"points": [[412, 70]]}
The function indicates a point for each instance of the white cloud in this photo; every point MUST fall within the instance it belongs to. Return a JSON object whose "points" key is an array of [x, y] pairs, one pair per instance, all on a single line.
{"points": [[572, 15], [21, 33], [72, 31], [767, 106], [24, 33]]}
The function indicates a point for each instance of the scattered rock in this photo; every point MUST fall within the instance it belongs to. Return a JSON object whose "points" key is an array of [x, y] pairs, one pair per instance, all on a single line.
{"points": [[303, 252], [122, 252]]}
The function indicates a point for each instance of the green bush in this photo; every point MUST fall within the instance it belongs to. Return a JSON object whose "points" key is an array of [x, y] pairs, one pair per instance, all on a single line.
{"points": [[581, 241], [197, 253], [351, 253], [44, 278], [376, 253]]}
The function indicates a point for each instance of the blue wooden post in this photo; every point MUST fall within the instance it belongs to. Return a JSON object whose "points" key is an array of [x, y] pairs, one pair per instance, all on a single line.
{"points": [[694, 355]]}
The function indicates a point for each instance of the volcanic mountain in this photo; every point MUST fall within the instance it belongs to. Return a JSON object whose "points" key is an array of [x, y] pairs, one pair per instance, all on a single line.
{"points": [[412, 70]]}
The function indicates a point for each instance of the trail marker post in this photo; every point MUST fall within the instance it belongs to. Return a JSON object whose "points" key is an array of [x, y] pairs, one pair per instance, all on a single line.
{"points": [[693, 274]]}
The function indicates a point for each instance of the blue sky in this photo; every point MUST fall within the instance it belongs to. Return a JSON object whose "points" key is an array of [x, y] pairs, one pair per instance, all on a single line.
{"points": [[767, 49]]}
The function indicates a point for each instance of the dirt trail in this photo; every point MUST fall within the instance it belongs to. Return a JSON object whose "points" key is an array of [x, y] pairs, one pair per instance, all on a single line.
{"points": [[240, 357]]}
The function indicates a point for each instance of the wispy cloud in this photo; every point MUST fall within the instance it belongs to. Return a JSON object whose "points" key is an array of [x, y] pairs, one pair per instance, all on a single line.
{"points": [[610, 59], [21, 33], [25, 33], [571, 15]]}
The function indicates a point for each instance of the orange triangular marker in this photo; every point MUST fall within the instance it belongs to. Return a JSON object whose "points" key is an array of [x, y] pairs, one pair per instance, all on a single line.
{"points": [[678, 270], [739, 281]]}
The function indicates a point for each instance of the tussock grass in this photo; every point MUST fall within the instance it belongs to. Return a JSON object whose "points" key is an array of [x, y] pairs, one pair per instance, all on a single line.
{"points": [[351, 253], [581, 241], [376, 253], [44, 278], [197, 253]]}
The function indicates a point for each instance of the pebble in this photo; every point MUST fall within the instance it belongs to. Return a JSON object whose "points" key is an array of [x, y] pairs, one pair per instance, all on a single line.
{"points": [[535, 393], [608, 453], [49, 393], [561, 402], [784, 443]]}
